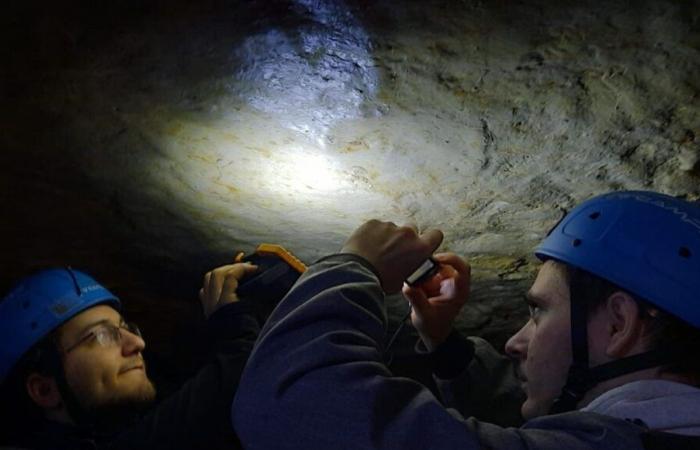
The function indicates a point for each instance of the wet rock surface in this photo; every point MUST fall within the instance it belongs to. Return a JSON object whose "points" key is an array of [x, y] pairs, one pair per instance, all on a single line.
{"points": [[148, 143]]}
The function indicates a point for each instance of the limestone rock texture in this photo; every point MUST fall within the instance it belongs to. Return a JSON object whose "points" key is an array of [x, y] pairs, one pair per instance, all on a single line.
{"points": [[148, 142]]}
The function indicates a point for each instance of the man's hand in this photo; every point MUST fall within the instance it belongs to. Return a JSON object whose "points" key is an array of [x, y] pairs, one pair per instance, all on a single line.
{"points": [[219, 287], [437, 302], [395, 252]]}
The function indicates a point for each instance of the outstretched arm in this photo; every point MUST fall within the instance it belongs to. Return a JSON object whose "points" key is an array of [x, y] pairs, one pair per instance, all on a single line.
{"points": [[317, 380], [317, 377]]}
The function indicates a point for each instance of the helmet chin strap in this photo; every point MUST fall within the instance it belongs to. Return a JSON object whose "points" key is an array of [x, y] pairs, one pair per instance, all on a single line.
{"points": [[76, 412], [578, 380], [582, 378]]}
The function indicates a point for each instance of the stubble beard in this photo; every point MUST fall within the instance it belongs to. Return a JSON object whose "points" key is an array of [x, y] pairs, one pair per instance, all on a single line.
{"points": [[122, 408]]}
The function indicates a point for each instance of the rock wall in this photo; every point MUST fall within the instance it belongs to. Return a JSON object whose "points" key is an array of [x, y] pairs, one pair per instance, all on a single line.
{"points": [[147, 143]]}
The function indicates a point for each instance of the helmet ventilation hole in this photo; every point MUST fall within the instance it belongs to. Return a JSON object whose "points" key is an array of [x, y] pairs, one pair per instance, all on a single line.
{"points": [[684, 252], [33, 325], [594, 215], [25, 304], [576, 242]]}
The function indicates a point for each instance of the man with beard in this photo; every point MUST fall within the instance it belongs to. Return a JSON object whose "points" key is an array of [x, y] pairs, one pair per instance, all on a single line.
{"points": [[74, 376], [608, 358]]}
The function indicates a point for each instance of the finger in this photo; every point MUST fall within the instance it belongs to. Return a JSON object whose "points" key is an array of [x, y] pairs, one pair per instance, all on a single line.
{"points": [[249, 269], [432, 238], [458, 263], [453, 291], [412, 226], [216, 283], [374, 224], [205, 283], [242, 270], [238, 271], [416, 297], [448, 292], [228, 290], [462, 273], [201, 295]]}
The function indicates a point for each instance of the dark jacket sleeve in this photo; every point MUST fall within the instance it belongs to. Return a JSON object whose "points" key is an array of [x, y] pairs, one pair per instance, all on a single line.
{"points": [[198, 414], [317, 380], [476, 380]]}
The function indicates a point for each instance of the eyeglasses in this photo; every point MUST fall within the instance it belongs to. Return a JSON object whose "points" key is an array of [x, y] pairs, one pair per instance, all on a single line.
{"points": [[107, 335]]}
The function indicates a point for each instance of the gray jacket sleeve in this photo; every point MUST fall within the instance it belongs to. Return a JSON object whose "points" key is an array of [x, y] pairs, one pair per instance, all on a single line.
{"points": [[316, 379]]}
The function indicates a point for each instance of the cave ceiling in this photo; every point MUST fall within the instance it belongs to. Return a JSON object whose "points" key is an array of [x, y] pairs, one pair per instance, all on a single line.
{"points": [[149, 142]]}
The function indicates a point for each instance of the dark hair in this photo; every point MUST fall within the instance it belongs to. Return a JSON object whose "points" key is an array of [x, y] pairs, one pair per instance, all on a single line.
{"points": [[18, 412], [666, 330]]}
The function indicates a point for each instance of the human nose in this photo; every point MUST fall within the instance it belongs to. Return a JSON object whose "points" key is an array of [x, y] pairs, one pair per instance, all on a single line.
{"points": [[517, 345], [131, 342]]}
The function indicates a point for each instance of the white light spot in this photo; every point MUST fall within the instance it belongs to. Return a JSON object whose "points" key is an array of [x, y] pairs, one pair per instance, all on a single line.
{"points": [[303, 171], [314, 172]]}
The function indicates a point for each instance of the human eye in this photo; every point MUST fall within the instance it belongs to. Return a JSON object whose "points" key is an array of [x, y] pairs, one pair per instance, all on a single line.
{"points": [[100, 335], [106, 334], [534, 308], [132, 328]]}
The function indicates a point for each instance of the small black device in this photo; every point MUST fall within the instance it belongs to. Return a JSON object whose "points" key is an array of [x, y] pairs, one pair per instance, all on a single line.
{"points": [[277, 272], [423, 273]]}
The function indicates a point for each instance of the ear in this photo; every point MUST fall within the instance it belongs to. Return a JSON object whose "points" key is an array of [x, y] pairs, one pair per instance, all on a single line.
{"points": [[43, 391], [625, 326]]}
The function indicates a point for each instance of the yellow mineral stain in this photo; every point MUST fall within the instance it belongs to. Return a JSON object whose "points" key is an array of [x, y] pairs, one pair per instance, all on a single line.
{"points": [[209, 159], [265, 152], [174, 128], [496, 263], [231, 189], [229, 137], [355, 146]]}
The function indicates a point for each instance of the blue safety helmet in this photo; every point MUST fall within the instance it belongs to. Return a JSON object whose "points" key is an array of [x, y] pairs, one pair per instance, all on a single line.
{"points": [[644, 242], [647, 244], [39, 304]]}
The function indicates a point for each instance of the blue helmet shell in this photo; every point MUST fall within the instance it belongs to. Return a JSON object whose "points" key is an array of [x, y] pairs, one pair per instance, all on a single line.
{"points": [[40, 303], [645, 242]]}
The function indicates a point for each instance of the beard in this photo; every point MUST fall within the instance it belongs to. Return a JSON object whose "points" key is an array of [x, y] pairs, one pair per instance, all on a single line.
{"points": [[111, 415]]}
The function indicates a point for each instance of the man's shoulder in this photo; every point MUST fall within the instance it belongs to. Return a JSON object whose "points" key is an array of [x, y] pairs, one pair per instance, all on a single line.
{"points": [[608, 432], [658, 440], [605, 432], [583, 420]]}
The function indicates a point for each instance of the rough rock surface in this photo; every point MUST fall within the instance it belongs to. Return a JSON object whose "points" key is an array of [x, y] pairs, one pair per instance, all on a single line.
{"points": [[147, 144]]}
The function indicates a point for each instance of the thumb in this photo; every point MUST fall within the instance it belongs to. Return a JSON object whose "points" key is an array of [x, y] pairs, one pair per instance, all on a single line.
{"points": [[233, 279], [432, 238], [249, 269], [417, 298]]}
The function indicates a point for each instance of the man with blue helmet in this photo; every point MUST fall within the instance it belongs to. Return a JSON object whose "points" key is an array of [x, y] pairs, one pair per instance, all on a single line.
{"points": [[607, 359], [73, 375]]}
